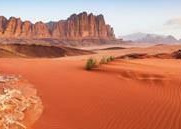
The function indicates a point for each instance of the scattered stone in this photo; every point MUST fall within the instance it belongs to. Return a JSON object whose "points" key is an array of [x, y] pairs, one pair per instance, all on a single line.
{"points": [[18, 99], [5, 78]]}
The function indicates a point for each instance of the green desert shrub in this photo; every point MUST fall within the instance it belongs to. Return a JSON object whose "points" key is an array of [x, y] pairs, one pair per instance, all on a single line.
{"points": [[108, 59], [103, 60], [112, 58], [90, 64]]}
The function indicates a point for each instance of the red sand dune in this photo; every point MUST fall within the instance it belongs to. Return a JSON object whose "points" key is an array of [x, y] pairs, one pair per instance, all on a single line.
{"points": [[38, 51], [132, 94]]}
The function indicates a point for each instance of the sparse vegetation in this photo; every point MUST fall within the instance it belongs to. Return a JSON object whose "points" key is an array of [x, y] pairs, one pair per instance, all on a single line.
{"points": [[103, 60], [91, 63], [108, 59], [112, 58]]}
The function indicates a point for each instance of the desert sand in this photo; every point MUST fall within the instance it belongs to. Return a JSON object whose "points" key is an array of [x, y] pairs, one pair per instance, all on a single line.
{"points": [[124, 94]]}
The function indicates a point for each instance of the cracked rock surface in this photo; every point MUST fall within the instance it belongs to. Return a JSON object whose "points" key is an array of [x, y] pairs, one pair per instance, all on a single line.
{"points": [[20, 106]]}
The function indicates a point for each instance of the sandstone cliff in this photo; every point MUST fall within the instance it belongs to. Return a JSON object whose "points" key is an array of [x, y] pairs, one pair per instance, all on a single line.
{"points": [[76, 27]]}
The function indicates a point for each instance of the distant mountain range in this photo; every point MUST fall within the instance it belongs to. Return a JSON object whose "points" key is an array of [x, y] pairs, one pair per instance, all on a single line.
{"points": [[150, 38], [77, 30], [76, 27]]}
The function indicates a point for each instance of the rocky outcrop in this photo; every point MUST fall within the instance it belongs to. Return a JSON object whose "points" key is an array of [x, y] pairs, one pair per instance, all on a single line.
{"points": [[3, 22], [76, 27], [150, 38], [20, 104]]}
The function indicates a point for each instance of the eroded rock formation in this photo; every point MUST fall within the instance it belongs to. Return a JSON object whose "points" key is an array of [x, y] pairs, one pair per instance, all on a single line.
{"points": [[76, 27], [20, 106]]}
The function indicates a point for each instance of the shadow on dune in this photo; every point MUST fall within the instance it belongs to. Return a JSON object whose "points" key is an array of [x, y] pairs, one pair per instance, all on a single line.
{"points": [[173, 55], [131, 75], [39, 51]]}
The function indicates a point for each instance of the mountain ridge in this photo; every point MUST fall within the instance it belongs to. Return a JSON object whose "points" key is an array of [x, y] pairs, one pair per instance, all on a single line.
{"points": [[150, 38], [76, 27]]}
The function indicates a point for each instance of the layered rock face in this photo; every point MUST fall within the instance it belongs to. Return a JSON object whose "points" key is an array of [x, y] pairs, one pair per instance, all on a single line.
{"points": [[76, 27]]}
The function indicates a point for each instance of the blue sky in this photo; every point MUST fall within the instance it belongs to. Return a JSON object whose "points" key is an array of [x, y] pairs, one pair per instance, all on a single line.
{"points": [[126, 16]]}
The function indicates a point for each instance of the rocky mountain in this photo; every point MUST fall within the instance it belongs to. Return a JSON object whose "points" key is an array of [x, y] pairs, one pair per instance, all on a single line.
{"points": [[76, 27], [134, 36], [150, 38]]}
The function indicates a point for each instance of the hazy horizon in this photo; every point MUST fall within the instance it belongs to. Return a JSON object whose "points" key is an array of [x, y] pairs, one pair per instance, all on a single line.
{"points": [[159, 17]]}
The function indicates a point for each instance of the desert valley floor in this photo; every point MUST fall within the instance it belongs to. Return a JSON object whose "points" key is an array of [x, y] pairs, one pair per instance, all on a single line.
{"points": [[124, 94]]}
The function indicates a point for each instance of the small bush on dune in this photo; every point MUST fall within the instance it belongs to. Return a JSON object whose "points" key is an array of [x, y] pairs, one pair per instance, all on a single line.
{"points": [[112, 58], [103, 60], [91, 63], [108, 59]]}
